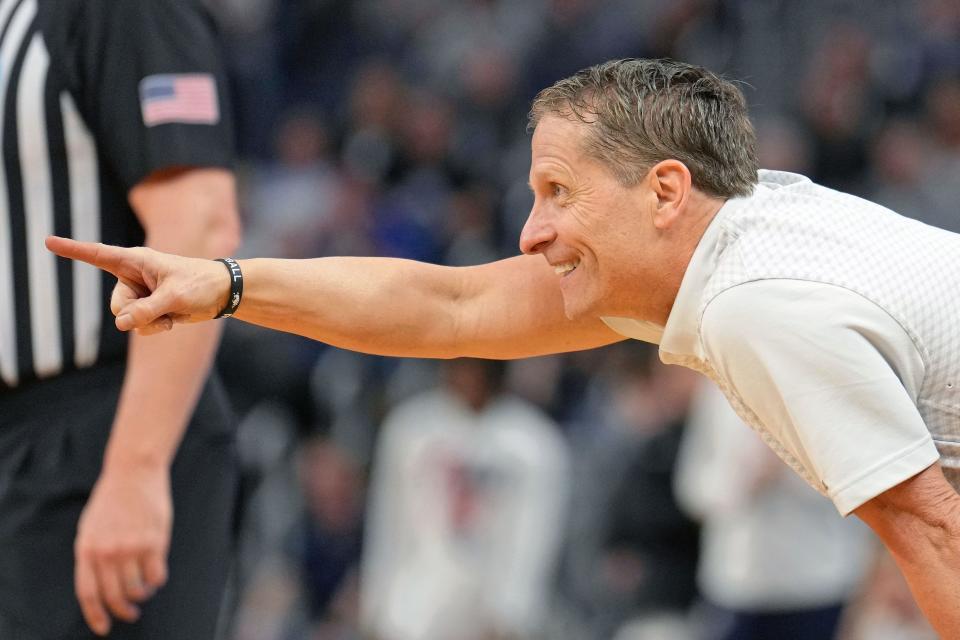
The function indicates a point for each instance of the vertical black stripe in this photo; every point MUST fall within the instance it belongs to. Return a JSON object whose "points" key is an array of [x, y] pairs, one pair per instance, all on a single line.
{"points": [[60, 183], [6, 26], [18, 233]]}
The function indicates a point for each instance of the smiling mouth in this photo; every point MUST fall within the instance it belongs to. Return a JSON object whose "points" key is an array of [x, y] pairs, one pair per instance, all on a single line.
{"points": [[565, 268]]}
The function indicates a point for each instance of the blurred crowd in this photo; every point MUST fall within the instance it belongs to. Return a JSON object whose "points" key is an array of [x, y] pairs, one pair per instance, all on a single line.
{"points": [[413, 500]]}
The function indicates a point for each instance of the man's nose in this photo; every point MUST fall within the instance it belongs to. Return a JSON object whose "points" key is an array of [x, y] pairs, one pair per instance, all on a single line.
{"points": [[537, 233]]}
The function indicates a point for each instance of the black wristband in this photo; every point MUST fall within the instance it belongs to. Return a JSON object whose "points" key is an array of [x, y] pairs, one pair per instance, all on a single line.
{"points": [[236, 287]]}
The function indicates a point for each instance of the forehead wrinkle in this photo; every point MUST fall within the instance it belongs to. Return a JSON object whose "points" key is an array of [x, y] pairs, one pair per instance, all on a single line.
{"points": [[551, 168]]}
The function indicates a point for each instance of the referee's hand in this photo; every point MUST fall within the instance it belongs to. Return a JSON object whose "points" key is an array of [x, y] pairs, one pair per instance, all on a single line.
{"points": [[154, 290], [123, 538]]}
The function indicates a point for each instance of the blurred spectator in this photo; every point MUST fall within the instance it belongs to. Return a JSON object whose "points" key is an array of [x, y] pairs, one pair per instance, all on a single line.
{"points": [[901, 169], [632, 553], [910, 173], [471, 226], [938, 26], [777, 560], [469, 489], [943, 122], [782, 144], [838, 106], [288, 201], [374, 109], [307, 588], [327, 543]]}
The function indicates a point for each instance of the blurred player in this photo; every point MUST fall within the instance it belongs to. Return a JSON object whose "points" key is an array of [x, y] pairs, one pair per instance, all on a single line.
{"points": [[468, 495]]}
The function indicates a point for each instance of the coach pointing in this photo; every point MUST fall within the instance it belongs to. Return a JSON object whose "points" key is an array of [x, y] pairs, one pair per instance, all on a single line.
{"points": [[829, 322]]}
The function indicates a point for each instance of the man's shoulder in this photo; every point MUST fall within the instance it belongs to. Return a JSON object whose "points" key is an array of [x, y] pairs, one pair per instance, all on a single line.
{"points": [[776, 306], [802, 317], [741, 309]]}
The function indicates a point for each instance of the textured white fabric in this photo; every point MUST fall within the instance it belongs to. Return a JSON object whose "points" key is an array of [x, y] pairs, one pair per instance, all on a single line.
{"points": [[793, 229], [832, 378]]}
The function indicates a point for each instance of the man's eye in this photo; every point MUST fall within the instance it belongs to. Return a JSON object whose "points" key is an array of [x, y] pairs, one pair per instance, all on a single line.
{"points": [[558, 190]]}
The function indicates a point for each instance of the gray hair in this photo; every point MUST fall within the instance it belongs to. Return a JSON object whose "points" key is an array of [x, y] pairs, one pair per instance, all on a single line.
{"points": [[642, 112]]}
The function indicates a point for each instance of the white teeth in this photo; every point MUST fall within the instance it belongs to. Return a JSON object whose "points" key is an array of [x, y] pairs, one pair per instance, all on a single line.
{"points": [[566, 267]]}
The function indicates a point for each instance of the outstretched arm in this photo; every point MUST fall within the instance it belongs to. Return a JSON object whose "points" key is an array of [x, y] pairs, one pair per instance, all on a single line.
{"points": [[919, 522], [506, 309]]}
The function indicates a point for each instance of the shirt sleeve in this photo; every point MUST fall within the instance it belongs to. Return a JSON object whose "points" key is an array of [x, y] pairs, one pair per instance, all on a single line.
{"points": [[149, 80], [831, 378]]}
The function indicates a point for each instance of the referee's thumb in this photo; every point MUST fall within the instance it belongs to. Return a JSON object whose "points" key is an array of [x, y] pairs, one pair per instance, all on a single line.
{"points": [[142, 312]]}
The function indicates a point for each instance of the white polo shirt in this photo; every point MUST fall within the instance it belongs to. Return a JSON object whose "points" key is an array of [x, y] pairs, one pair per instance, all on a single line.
{"points": [[831, 325], [768, 542]]}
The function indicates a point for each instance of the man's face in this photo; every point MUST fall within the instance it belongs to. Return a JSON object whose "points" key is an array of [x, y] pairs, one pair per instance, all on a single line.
{"points": [[590, 228]]}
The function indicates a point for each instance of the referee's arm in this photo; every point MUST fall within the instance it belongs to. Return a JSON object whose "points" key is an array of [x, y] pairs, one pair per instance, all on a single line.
{"points": [[124, 531]]}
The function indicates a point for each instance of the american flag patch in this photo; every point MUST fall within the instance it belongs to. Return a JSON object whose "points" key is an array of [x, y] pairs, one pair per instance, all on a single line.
{"points": [[186, 98]]}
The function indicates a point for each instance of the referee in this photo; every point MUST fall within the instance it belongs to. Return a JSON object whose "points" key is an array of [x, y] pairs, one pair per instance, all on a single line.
{"points": [[115, 128]]}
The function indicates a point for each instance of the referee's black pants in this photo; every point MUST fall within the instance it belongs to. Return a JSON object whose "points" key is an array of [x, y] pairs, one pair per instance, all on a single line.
{"points": [[52, 438]]}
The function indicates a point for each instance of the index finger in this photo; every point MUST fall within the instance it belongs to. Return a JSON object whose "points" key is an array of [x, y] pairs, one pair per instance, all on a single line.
{"points": [[116, 260]]}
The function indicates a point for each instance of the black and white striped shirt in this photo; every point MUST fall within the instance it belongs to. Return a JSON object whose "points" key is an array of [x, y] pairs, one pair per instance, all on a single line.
{"points": [[95, 95]]}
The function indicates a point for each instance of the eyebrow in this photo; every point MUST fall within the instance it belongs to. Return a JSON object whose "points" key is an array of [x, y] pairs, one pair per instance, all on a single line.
{"points": [[549, 177]]}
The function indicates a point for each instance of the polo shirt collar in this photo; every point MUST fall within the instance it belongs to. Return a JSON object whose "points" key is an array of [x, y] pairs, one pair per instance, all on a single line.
{"points": [[681, 335]]}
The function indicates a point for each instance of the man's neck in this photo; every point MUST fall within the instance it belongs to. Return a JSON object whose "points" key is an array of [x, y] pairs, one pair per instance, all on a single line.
{"points": [[703, 209]]}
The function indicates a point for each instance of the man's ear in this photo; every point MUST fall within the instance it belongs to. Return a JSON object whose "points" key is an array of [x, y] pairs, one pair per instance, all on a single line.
{"points": [[671, 182]]}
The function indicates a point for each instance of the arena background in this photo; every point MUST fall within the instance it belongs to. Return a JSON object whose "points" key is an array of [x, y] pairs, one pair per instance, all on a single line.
{"points": [[398, 127]]}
